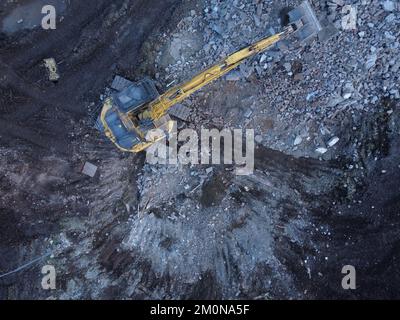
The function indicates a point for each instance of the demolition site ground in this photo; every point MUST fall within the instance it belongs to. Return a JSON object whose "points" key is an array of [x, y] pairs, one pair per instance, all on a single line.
{"points": [[324, 193]]}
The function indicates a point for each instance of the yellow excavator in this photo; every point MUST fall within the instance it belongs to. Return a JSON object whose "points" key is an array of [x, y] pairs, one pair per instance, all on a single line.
{"points": [[136, 109]]}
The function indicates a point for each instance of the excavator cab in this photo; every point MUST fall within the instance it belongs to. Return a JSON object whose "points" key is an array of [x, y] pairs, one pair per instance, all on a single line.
{"points": [[135, 96], [120, 110]]}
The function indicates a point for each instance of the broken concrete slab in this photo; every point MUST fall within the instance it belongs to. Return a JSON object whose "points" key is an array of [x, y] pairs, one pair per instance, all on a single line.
{"points": [[259, 138], [298, 140], [233, 76], [180, 111], [321, 150], [332, 142], [89, 169]]}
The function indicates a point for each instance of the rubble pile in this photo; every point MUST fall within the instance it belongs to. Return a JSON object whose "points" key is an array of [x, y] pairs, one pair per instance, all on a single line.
{"points": [[313, 88], [304, 101]]}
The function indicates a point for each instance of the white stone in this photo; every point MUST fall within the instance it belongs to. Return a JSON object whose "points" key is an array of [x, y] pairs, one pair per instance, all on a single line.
{"points": [[298, 140], [333, 141], [322, 150]]}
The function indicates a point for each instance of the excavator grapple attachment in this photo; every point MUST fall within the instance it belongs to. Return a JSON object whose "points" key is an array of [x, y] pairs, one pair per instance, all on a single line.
{"points": [[305, 22]]}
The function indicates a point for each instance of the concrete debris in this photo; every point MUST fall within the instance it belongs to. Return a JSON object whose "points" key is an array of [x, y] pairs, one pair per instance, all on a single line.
{"points": [[248, 113], [259, 139], [233, 76], [389, 6], [298, 140], [371, 61], [89, 169], [336, 3], [119, 83], [390, 18], [209, 170], [263, 58], [333, 141], [52, 69], [287, 66], [347, 90], [330, 92], [311, 96], [395, 93]]}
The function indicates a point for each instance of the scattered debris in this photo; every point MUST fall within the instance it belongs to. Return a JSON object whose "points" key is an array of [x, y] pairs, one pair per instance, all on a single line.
{"points": [[389, 6], [180, 206], [311, 96], [233, 76], [298, 140], [119, 83], [348, 90], [371, 61]]}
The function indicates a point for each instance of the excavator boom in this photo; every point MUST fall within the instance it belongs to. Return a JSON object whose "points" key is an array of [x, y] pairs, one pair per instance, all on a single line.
{"points": [[179, 93]]}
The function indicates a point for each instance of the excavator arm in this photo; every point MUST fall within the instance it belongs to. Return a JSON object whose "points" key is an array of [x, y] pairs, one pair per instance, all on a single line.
{"points": [[160, 106]]}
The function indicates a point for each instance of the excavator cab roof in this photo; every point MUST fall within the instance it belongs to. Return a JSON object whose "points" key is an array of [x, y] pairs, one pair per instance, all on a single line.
{"points": [[125, 138], [131, 97]]}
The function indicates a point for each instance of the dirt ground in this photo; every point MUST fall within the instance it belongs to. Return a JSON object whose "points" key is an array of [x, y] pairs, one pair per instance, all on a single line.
{"points": [[141, 232]]}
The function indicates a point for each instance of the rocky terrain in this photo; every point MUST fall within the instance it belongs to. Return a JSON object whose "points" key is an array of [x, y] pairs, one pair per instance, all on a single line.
{"points": [[324, 194]]}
